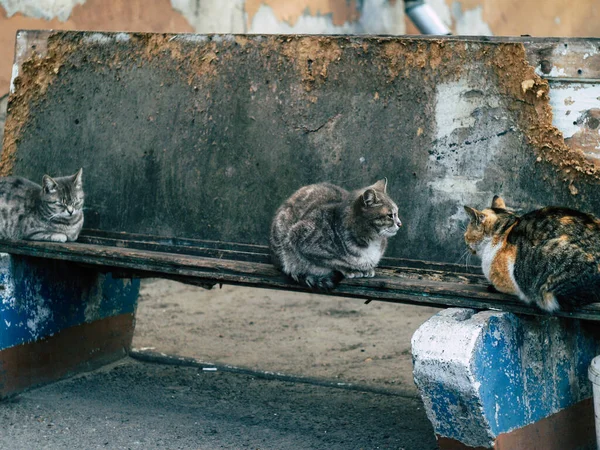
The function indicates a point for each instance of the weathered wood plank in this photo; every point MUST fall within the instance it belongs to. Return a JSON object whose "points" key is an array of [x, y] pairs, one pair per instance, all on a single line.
{"points": [[429, 288]]}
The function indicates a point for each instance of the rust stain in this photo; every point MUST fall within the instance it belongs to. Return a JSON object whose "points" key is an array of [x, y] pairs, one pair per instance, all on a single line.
{"points": [[434, 61], [100, 15], [195, 63], [312, 56], [403, 56], [36, 74], [532, 105], [341, 11], [526, 93]]}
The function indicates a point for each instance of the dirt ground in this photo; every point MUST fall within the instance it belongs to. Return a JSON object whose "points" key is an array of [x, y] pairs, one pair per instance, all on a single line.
{"points": [[132, 405], [293, 333]]}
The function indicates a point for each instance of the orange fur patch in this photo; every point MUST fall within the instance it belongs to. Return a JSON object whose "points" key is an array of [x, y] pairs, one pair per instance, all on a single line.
{"points": [[567, 220], [499, 274]]}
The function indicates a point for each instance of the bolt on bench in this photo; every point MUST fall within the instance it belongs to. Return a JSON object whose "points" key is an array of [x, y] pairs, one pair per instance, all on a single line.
{"points": [[190, 143]]}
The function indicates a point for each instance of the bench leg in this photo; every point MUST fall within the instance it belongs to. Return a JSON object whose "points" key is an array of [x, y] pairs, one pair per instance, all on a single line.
{"points": [[494, 380], [58, 318]]}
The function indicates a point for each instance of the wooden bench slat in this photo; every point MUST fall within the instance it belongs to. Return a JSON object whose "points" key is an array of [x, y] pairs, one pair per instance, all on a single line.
{"points": [[424, 287]]}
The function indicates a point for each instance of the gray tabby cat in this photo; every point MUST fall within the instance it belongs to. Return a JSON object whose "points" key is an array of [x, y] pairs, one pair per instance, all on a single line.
{"points": [[324, 232], [51, 212]]}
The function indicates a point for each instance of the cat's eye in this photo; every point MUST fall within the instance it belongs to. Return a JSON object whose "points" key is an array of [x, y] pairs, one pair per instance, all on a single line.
{"points": [[391, 215]]}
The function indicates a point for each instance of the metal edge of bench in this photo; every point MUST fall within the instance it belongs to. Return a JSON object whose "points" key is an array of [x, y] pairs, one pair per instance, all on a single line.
{"points": [[386, 286]]}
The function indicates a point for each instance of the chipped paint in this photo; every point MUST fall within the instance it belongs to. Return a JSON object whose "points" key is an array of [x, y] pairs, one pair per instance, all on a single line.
{"points": [[41, 9], [325, 17], [213, 16], [575, 109], [485, 374], [468, 120], [341, 11], [41, 297]]}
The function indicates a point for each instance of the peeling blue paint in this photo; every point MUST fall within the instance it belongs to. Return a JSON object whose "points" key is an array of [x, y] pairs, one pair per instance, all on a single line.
{"points": [[40, 297], [497, 366], [493, 372]]}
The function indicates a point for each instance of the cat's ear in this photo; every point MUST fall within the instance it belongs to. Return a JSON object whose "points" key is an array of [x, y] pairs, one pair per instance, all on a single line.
{"points": [[477, 217], [77, 181], [380, 186], [498, 203], [49, 185], [369, 197]]}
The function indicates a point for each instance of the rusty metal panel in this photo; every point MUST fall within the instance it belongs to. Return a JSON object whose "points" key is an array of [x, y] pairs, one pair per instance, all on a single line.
{"points": [[203, 136]]}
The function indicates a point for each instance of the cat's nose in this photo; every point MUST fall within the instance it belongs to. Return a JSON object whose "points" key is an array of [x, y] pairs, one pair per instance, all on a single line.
{"points": [[70, 210], [398, 222]]}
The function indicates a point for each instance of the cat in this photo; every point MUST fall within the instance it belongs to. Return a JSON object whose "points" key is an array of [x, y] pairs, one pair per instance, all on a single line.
{"points": [[549, 257], [50, 212], [323, 233]]}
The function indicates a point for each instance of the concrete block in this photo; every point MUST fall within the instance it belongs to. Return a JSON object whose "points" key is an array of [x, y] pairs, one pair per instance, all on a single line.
{"points": [[57, 318], [492, 377]]}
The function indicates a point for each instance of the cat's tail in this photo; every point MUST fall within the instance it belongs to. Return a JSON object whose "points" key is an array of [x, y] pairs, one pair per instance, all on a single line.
{"points": [[582, 294]]}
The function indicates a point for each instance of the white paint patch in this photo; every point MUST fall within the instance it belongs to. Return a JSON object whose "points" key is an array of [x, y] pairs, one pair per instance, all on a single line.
{"points": [[41, 314], [265, 21], [376, 17], [223, 38], [213, 16], [554, 72], [443, 351], [41, 9], [13, 77], [8, 294], [569, 101], [193, 38], [381, 17], [470, 22], [456, 171], [122, 37], [98, 38]]}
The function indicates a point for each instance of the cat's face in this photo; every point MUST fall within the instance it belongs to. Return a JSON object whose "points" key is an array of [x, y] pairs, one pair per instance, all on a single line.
{"points": [[482, 223], [63, 196], [378, 211]]}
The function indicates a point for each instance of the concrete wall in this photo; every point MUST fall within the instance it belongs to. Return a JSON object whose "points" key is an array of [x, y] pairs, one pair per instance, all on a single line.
{"points": [[199, 16]]}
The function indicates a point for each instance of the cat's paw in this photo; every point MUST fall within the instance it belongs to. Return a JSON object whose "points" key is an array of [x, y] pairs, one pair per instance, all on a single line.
{"points": [[360, 273], [322, 283], [58, 237]]}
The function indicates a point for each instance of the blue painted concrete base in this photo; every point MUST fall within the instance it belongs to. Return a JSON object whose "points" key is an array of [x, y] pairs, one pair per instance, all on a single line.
{"points": [[57, 318], [39, 297], [485, 374]]}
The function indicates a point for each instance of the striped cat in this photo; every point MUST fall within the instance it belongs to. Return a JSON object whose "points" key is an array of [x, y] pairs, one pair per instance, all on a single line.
{"points": [[50, 212], [323, 233], [549, 256]]}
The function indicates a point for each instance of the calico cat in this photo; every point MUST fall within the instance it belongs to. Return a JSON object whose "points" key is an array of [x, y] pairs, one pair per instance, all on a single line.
{"points": [[549, 256], [323, 233], [51, 212]]}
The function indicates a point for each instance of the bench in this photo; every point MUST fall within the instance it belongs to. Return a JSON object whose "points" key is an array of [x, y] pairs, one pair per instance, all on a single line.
{"points": [[190, 143]]}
